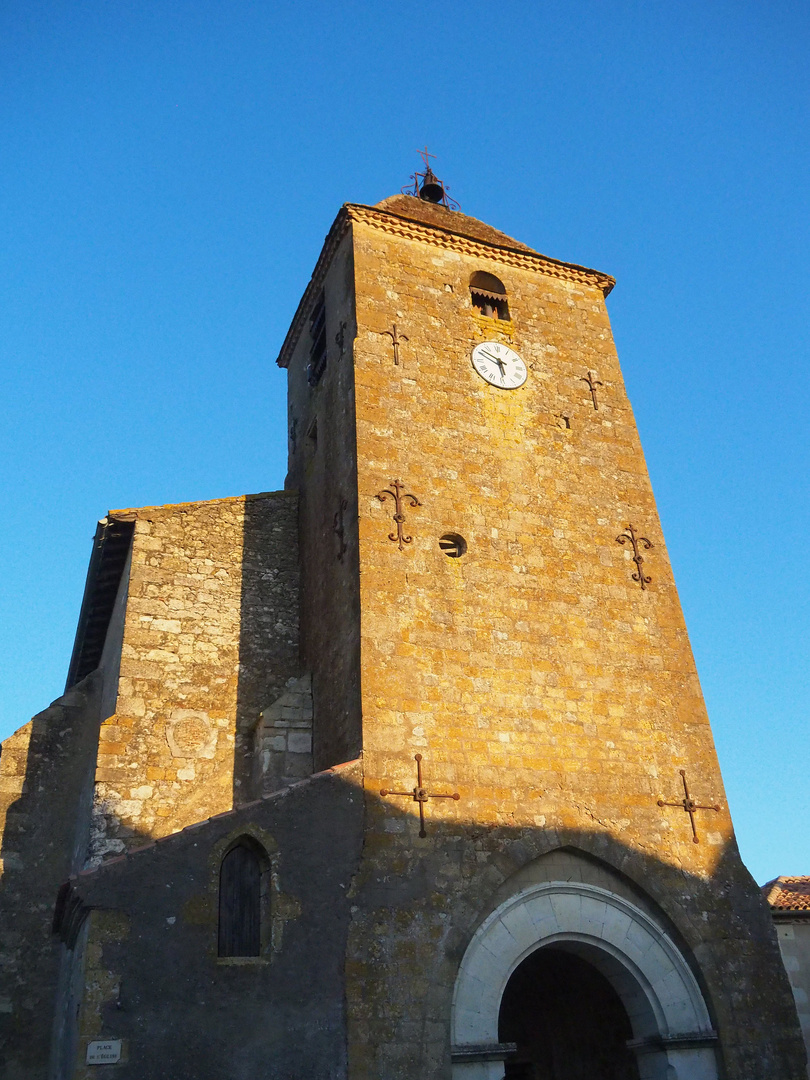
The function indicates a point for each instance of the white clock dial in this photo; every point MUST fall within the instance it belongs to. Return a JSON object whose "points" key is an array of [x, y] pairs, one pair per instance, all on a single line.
{"points": [[499, 365]]}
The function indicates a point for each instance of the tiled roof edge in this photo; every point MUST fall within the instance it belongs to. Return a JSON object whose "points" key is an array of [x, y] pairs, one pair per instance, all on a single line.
{"points": [[784, 900], [330, 245], [111, 546], [517, 255], [522, 257]]}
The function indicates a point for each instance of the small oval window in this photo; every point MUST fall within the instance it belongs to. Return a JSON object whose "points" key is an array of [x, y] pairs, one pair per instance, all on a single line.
{"points": [[453, 545]]}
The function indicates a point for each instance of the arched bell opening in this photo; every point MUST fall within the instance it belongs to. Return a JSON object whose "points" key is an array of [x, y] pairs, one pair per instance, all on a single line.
{"points": [[488, 295]]}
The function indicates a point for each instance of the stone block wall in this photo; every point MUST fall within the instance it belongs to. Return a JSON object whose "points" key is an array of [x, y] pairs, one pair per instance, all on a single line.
{"points": [[794, 944], [149, 971], [210, 637], [283, 738], [322, 469], [533, 671]]}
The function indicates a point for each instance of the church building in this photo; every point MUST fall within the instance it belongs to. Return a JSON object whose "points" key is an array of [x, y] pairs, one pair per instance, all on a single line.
{"points": [[403, 772]]}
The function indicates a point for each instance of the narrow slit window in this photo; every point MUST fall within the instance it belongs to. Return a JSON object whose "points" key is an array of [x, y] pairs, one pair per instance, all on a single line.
{"points": [[240, 902], [488, 295]]}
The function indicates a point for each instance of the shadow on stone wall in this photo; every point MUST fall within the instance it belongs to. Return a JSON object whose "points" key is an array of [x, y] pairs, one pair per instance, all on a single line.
{"points": [[393, 905], [396, 905], [50, 763], [412, 893], [268, 633]]}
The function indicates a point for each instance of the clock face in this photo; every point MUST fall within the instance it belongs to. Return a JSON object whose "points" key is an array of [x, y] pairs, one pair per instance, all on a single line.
{"points": [[499, 365]]}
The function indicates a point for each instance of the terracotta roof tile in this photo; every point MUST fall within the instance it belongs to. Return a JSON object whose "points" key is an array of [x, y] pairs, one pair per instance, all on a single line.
{"points": [[788, 894]]}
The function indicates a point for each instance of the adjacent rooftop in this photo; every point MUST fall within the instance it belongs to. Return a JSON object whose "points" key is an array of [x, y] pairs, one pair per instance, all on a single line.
{"points": [[788, 895]]}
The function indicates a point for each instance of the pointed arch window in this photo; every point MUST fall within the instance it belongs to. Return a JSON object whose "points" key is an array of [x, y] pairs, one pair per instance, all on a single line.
{"points": [[240, 900], [488, 295]]}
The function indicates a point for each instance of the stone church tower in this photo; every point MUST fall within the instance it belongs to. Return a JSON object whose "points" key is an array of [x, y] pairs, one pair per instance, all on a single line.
{"points": [[403, 773]]}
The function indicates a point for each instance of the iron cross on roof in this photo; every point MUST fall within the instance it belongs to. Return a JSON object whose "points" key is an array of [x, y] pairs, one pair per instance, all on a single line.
{"points": [[420, 795], [425, 155], [688, 804]]}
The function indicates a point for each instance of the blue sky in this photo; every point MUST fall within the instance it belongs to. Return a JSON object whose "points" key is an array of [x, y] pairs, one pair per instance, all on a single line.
{"points": [[170, 170]]}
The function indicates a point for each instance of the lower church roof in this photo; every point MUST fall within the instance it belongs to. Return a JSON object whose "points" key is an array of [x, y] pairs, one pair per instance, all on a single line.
{"points": [[788, 894]]}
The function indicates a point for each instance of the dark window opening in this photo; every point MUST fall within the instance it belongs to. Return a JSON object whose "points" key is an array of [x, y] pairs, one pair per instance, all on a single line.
{"points": [[488, 295], [317, 348], [240, 901]]}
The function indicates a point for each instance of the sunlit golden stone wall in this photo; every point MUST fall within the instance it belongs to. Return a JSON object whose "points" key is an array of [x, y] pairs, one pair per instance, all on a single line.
{"points": [[534, 675]]}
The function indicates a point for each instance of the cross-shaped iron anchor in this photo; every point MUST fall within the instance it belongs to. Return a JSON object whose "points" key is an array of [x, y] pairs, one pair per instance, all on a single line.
{"points": [[420, 795], [638, 558], [340, 338], [592, 384], [399, 536], [688, 804], [395, 338]]}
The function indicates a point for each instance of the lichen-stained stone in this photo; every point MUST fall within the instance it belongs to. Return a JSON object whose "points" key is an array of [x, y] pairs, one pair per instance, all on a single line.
{"points": [[147, 963], [47, 769]]}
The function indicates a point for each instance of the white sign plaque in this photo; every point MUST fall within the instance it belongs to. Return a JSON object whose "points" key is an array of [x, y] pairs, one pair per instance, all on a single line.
{"points": [[106, 1052]]}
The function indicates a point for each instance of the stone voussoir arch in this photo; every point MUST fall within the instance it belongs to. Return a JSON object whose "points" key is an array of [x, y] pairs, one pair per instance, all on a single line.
{"points": [[672, 1031]]}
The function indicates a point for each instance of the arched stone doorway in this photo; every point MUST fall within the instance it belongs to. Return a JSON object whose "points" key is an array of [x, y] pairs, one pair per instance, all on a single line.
{"points": [[567, 1021], [671, 1036]]}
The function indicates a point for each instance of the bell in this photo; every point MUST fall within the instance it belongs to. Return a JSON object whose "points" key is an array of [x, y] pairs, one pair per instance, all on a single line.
{"points": [[432, 189]]}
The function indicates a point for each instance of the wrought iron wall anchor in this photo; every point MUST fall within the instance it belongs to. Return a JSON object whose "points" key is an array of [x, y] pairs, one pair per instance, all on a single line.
{"points": [[399, 536], [638, 558], [396, 338], [688, 804], [592, 384], [340, 530], [420, 795]]}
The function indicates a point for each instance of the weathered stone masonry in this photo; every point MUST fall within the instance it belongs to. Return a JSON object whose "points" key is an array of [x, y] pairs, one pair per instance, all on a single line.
{"points": [[234, 646], [210, 639], [533, 674], [202, 637]]}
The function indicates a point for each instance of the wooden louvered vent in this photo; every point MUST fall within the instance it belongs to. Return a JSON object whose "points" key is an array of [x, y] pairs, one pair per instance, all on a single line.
{"points": [[488, 295], [317, 347]]}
